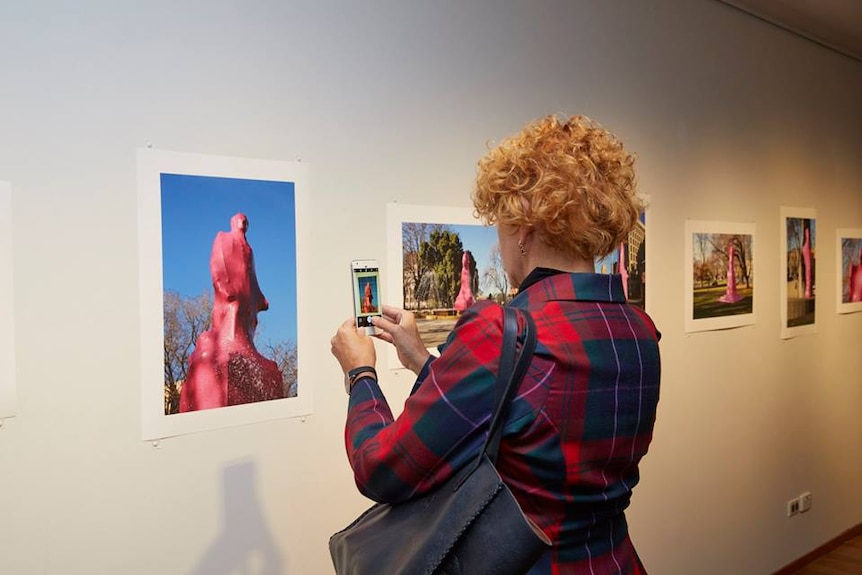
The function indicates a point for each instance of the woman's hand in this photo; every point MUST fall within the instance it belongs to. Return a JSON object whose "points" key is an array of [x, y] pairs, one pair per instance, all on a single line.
{"points": [[398, 327], [351, 347]]}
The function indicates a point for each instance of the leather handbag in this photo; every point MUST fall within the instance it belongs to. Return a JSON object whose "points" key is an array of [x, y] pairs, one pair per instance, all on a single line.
{"points": [[469, 525]]}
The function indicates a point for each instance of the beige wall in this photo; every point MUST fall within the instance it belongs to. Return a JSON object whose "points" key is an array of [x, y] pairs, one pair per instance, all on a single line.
{"points": [[384, 101]]}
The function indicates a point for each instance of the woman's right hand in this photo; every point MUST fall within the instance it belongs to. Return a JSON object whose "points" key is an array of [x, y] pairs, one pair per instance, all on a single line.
{"points": [[398, 327]]}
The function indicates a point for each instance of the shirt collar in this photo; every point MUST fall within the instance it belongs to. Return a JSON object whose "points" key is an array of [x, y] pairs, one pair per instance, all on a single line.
{"points": [[549, 285]]}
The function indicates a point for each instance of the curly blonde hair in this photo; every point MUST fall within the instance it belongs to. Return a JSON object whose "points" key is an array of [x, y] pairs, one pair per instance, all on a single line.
{"points": [[569, 179]]}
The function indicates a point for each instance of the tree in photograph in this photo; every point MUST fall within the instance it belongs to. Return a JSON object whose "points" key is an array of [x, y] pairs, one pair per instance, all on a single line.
{"points": [[495, 275], [185, 319], [284, 354], [442, 253], [702, 271], [474, 277], [415, 267]]}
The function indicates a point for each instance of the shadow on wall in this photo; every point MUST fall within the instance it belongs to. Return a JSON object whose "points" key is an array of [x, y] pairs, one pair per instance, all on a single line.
{"points": [[245, 544]]}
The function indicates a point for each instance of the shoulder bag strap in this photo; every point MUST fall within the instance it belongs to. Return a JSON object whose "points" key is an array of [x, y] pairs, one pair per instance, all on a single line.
{"points": [[513, 366]]}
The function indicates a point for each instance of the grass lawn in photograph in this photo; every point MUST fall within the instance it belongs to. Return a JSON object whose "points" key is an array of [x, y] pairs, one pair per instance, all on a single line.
{"points": [[707, 303]]}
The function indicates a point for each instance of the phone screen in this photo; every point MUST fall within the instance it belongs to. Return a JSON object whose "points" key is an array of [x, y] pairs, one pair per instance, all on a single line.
{"points": [[366, 292]]}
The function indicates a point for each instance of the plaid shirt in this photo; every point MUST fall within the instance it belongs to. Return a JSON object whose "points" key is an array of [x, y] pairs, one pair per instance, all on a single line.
{"points": [[581, 421]]}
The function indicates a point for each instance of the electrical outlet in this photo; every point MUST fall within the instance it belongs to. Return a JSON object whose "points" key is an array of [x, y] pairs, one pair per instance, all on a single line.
{"points": [[805, 502], [793, 507]]}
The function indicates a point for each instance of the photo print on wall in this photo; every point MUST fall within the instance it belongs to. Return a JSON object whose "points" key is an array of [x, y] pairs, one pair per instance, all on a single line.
{"points": [[798, 260], [849, 276], [720, 282], [440, 261], [8, 399], [221, 327], [633, 253]]}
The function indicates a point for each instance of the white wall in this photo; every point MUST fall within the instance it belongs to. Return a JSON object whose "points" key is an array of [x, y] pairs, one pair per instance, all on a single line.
{"points": [[395, 100]]}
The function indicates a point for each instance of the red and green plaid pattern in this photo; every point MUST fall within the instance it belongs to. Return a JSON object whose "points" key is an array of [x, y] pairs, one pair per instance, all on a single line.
{"points": [[581, 421]]}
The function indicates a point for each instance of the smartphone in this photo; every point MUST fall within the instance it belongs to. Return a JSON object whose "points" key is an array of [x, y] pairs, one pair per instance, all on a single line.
{"points": [[366, 293]]}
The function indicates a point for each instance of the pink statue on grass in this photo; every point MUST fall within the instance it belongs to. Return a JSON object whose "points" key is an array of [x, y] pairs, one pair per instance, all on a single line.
{"points": [[730, 294], [226, 368], [806, 261], [465, 295], [855, 280]]}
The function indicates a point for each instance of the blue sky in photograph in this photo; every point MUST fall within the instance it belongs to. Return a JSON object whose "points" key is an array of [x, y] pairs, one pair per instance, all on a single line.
{"points": [[479, 240], [196, 208], [606, 264]]}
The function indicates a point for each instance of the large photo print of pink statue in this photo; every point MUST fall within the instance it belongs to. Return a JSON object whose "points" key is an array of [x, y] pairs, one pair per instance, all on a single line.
{"points": [[441, 261], [226, 342], [229, 295], [719, 278]]}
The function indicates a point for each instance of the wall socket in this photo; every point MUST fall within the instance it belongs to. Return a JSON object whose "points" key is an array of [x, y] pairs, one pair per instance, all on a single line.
{"points": [[793, 507], [799, 504]]}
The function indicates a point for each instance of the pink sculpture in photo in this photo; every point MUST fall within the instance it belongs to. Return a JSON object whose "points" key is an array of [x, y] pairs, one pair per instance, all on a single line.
{"points": [[621, 264], [368, 300], [855, 280], [730, 294], [465, 295], [226, 368], [806, 260]]}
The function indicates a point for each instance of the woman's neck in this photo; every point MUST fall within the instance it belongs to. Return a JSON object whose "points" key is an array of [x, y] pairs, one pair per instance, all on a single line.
{"points": [[557, 261]]}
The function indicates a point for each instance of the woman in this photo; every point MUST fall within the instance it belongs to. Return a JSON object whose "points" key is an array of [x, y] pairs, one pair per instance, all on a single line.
{"points": [[561, 193]]}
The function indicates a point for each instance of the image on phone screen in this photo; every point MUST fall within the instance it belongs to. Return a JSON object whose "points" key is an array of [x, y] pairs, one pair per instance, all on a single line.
{"points": [[366, 292]]}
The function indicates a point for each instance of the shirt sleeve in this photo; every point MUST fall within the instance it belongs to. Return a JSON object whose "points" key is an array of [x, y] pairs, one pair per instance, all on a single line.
{"points": [[444, 421]]}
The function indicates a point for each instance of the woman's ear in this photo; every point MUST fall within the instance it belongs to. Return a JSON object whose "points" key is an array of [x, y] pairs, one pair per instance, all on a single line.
{"points": [[525, 235]]}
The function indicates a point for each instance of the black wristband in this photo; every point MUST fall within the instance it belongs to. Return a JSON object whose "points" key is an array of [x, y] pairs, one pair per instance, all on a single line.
{"points": [[353, 374]]}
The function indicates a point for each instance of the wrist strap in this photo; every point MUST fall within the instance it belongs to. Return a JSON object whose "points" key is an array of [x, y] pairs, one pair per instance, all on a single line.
{"points": [[354, 373]]}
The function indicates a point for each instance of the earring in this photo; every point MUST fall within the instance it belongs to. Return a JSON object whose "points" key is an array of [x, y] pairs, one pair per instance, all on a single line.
{"points": [[522, 247]]}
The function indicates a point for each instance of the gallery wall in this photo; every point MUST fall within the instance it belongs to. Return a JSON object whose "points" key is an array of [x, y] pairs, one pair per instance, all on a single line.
{"points": [[383, 101]]}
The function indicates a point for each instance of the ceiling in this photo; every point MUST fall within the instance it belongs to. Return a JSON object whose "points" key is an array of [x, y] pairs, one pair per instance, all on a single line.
{"points": [[836, 24]]}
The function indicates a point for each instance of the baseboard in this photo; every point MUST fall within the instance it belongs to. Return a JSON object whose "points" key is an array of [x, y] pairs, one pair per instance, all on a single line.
{"points": [[830, 545]]}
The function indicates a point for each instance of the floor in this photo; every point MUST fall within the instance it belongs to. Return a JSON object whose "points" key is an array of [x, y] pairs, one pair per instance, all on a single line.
{"points": [[845, 560]]}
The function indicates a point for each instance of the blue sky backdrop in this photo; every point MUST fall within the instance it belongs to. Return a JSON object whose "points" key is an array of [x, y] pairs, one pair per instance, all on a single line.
{"points": [[479, 240], [196, 208]]}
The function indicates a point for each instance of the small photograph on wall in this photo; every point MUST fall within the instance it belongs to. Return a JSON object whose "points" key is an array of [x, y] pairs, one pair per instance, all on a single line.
{"points": [[720, 278], [849, 270], [221, 324], [441, 261], [632, 252], [8, 400], [798, 271]]}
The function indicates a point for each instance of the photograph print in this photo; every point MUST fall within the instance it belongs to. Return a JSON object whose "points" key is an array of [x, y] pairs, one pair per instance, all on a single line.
{"points": [[798, 260], [849, 270], [222, 237], [441, 261], [720, 281]]}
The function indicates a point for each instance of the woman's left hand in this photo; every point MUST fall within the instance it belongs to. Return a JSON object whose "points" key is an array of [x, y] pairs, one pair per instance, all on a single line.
{"points": [[351, 347]]}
